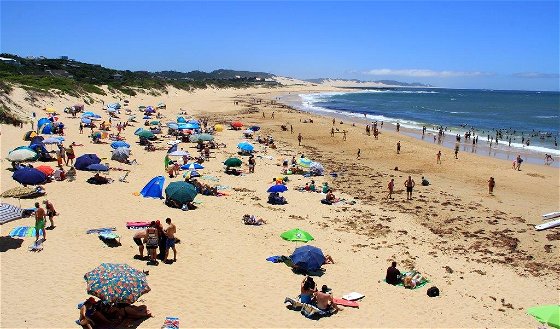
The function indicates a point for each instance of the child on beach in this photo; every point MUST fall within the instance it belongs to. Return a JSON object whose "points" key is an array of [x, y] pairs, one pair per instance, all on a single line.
{"points": [[491, 184]]}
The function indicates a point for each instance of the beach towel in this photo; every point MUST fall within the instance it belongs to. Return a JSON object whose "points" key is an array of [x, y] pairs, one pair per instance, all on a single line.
{"points": [[23, 231], [137, 225], [100, 230], [420, 285], [170, 323], [108, 235]]}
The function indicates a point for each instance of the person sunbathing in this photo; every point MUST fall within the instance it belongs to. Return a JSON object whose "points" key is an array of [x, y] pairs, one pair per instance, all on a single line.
{"points": [[325, 300], [252, 220], [328, 259], [412, 279], [307, 290]]}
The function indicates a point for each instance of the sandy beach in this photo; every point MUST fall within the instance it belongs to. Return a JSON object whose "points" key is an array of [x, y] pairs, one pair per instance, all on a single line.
{"points": [[480, 250]]}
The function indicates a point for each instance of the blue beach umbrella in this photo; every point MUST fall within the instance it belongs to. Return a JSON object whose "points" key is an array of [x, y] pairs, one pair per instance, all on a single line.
{"points": [[277, 188], [190, 125], [117, 144], [181, 120], [308, 258], [255, 128], [137, 131], [85, 160], [29, 176], [86, 121], [245, 146], [194, 173]]}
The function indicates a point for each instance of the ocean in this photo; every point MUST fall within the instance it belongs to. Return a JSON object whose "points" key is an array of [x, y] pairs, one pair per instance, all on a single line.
{"points": [[529, 118]]}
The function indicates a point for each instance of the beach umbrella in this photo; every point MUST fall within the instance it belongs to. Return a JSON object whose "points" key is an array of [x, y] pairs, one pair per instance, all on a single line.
{"points": [[277, 188], [181, 120], [194, 174], [116, 283], [304, 162], [37, 140], [86, 121], [47, 170], [316, 168], [120, 154], [308, 258], [145, 134], [245, 146], [254, 128], [46, 129], [141, 107], [248, 132], [233, 162], [179, 153], [548, 314], [9, 213], [155, 122], [29, 176], [22, 154], [52, 140], [161, 105], [236, 124], [175, 142], [218, 127], [117, 144], [182, 192], [192, 166], [172, 125], [296, 235], [149, 109], [201, 137], [137, 131], [131, 118], [190, 125], [82, 162], [42, 122], [29, 135], [97, 167], [50, 110], [19, 192]]}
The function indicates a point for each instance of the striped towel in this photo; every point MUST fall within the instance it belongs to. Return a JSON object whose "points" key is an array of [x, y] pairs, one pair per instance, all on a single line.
{"points": [[23, 231], [170, 323], [100, 230]]}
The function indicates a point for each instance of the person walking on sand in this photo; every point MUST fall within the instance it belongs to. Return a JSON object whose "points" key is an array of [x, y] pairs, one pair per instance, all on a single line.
{"points": [[272, 115], [359, 151], [252, 164], [40, 221], [264, 115], [399, 147], [438, 157], [169, 232], [70, 155], [344, 135], [299, 138], [409, 184], [291, 129], [518, 162], [456, 150], [391, 188], [491, 185], [332, 132], [81, 128]]}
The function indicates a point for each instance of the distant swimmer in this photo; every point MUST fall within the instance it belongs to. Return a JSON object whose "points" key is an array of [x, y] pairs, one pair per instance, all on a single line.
{"points": [[548, 159]]}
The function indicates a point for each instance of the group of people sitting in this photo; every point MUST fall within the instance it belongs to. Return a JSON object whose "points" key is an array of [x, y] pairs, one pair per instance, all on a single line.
{"points": [[203, 188], [330, 198], [268, 141], [100, 314], [409, 280], [309, 294], [97, 179], [311, 187]]}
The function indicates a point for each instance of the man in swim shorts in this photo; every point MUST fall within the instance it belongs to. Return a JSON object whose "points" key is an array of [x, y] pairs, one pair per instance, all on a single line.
{"points": [[409, 184], [170, 231], [325, 300], [40, 221]]}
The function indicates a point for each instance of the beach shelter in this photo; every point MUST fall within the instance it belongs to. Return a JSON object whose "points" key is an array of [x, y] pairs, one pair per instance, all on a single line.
{"points": [[42, 121], [233, 162], [85, 160], [308, 258], [9, 213], [237, 124], [547, 314], [154, 188], [192, 166], [117, 144], [116, 283], [181, 120], [97, 167], [22, 154], [46, 129], [29, 176], [218, 127], [304, 162], [120, 154], [190, 125], [115, 106], [296, 234], [29, 135], [316, 169], [181, 192], [278, 188], [245, 147], [47, 170]]}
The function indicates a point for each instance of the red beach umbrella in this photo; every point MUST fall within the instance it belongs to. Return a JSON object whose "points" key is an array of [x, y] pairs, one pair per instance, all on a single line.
{"points": [[47, 170], [237, 124]]}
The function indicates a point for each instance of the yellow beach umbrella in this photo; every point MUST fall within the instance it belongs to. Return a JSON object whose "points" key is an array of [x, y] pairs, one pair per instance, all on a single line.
{"points": [[50, 110], [218, 127]]}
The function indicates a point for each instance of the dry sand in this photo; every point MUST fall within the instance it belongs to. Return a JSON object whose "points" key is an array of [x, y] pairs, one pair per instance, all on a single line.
{"points": [[480, 250]]}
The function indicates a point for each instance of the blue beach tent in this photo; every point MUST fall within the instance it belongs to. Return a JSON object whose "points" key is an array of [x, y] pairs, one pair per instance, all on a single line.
{"points": [[154, 188]]}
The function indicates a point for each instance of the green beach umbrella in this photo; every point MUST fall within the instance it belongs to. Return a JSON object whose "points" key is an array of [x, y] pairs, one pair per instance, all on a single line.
{"points": [[304, 162], [181, 192], [233, 162], [548, 314], [202, 137], [296, 235], [145, 134], [155, 122]]}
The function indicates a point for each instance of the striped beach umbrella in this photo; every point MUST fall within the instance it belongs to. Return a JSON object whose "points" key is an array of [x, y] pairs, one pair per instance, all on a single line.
{"points": [[9, 213], [116, 283]]}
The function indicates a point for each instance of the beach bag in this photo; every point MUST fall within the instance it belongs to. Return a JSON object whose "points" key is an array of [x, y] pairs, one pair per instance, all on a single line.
{"points": [[433, 292]]}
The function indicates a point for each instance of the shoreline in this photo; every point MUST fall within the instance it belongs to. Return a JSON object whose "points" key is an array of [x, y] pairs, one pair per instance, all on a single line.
{"points": [[502, 152]]}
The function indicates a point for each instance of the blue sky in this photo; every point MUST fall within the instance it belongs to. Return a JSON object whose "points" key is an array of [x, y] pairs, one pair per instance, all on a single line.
{"points": [[498, 45]]}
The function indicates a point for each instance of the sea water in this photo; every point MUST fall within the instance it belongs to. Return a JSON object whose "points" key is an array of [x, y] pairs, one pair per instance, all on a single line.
{"points": [[529, 118]]}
